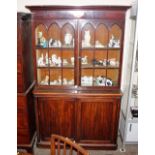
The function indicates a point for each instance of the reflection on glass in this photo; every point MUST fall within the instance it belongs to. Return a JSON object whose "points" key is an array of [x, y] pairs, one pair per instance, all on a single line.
{"points": [[87, 77], [68, 58], [112, 75], [54, 36], [55, 77], [43, 76], [68, 77], [41, 36], [88, 36], [115, 36], [42, 58], [99, 77], [68, 36]]}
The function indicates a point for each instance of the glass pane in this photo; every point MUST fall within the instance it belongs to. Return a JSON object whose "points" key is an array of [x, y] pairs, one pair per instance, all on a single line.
{"points": [[101, 36], [86, 58], [43, 76], [41, 36], [115, 36], [54, 36], [100, 77], [87, 77], [113, 58], [68, 36], [55, 59], [88, 36], [55, 77], [42, 57], [100, 58], [68, 58], [112, 77], [68, 77]]}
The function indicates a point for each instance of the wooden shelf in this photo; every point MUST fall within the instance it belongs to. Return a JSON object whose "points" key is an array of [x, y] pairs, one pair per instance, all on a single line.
{"points": [[97, 48], [89, 66], [58, 48]]}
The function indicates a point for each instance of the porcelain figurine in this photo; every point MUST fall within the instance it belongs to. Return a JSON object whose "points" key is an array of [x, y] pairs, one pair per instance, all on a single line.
{"points": [[84, 60], [65, 62], [68, 39], [87, 38], [40, 34], [87, 80], [98, 44], [64, 81], [108, 82], [104, 62], [43, 42], [72, 60], [45, 81], [59, 80], [114, 42], [51, 42], [58, 43], [117, 44], [41, 61], [54, 59], [97, 62], [111, 41], [54, 43], [59, 61], [53, 82], [46, 59], [112, 62], [101, 81]]}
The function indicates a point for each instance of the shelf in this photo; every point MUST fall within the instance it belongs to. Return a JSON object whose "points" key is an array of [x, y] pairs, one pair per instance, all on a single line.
{"points": [[97, 48], [65, 67], [98, 67], [44, 48], [42, 67], [56, 67], [58, 48]]}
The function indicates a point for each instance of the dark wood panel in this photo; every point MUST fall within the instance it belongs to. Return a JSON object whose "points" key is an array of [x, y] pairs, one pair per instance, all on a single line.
{"points": [[25, 118], [56, 116], [24, 52], [23, 136], [98, 122], [20, 81], [94, 126], [22, 119]]}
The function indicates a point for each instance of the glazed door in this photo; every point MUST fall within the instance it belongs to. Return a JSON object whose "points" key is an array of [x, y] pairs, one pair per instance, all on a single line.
{"points": [[56, 116], [97, 119], [55, 52], [100, 53]]}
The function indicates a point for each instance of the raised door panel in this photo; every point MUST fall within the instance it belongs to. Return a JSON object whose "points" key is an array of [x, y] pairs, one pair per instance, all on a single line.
{"points": [[56, 116], [97, 120]]}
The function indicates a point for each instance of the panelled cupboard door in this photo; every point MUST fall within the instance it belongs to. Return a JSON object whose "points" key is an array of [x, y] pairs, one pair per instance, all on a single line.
{"points": [[97, 119], [56, 116]]}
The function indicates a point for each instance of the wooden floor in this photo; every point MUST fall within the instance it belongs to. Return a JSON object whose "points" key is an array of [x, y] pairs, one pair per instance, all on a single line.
{"points": [[130, 150]]}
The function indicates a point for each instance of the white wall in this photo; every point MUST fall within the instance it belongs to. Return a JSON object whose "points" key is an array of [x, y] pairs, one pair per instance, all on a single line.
{"points": [[22, 3]]}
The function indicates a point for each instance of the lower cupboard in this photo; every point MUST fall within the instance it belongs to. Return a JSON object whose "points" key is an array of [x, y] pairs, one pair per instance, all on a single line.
{"points": [[92, 121]]}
